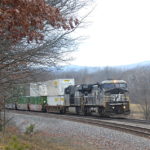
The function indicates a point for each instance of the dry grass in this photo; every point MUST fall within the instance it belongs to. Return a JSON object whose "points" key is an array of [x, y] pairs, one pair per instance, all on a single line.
{"points": [[40, 141], [136, 111]]}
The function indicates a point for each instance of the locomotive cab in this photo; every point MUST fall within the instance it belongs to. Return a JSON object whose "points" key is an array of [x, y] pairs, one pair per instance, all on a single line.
{"points": [[115, 97]]}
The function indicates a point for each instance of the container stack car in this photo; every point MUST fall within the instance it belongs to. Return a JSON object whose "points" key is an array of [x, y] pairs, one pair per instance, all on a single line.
{"points": [[55, 98], [41, 96]]}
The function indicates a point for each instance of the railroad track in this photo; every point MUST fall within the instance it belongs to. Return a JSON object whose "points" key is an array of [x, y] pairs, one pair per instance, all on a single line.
{"points": [[132, 120], [132, 129], [107, 123]]}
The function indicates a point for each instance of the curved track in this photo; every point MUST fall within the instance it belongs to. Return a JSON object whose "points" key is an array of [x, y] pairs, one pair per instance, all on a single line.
{"points": [[132, 126]]}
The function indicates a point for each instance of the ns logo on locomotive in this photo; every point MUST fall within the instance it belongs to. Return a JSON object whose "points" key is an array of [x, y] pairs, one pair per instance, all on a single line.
{"points": [[108, 98]]}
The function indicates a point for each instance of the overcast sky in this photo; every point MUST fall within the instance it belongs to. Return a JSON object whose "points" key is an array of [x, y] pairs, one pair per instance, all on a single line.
{"points": [[118, 35]]}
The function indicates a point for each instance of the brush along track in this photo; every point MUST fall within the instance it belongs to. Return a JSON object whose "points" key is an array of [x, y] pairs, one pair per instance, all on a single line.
{"points": [[132, 128]]}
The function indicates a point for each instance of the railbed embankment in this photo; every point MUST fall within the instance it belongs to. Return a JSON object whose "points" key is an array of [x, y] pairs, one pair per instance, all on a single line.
{"points": [[80, 134]]}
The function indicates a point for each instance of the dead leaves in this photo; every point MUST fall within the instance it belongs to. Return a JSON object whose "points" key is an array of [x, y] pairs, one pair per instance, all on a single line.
{"points": [[26, 18]]}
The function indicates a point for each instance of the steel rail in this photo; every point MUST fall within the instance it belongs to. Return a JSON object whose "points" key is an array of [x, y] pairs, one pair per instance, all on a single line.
{"points": [[131, 129]]}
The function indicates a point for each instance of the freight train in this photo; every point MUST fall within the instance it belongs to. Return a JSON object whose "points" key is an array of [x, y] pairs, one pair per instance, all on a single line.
{"points": [[108, 98]]}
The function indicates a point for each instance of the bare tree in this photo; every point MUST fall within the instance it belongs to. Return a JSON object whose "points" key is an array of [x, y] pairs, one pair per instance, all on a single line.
{"points": [[140, 88], [33, 38], [20, 59]]}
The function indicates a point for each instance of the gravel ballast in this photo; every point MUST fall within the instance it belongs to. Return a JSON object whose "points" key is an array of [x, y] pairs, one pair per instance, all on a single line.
{"points": [[82, 134]]}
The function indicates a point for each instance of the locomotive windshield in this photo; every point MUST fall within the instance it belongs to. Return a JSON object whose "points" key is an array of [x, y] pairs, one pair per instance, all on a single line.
{"points": [[114, 85]]}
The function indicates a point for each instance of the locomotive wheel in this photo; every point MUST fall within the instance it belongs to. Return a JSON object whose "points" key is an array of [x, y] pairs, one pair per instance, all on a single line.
{"points": [[63, 110], [101, 111], [77, 110], [81, 111], [44, 109], [16, 106], [84, 111], [28, 107]]}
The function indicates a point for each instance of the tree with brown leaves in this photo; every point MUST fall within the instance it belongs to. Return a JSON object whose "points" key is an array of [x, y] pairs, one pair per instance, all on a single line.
{"points": [[26, 18], [34, 34]]}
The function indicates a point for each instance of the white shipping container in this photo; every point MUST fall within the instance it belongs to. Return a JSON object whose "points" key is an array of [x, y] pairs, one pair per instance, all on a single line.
{"points": [[50, 88], [10, 106], [22, 106], [35, 107], [57, 87], [43, 89], [34, 89], [38, 89], [55, 100]]}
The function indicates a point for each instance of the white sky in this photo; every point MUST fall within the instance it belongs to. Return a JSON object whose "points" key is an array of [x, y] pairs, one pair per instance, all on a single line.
{"points": [[119, 34]]}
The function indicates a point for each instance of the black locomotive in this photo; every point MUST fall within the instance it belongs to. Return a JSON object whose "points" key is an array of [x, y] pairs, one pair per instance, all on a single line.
{"points": [[110, 97]]}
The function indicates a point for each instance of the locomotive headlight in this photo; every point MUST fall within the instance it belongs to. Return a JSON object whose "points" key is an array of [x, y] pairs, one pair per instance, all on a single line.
{"points": [[124, 107], [113, 107]]}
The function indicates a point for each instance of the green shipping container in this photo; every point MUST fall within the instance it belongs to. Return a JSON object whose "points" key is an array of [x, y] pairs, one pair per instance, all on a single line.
{"points": [[40, 100], [37, 103], [23, 100]]}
